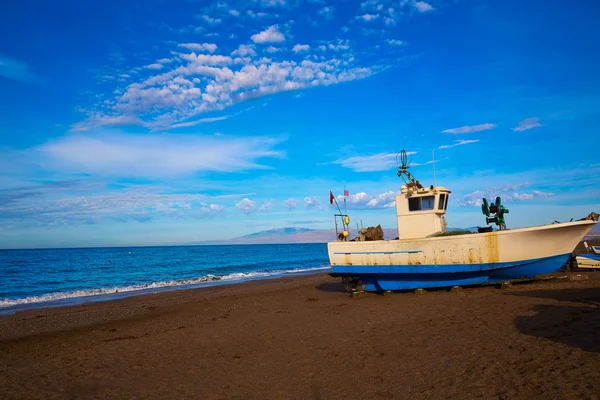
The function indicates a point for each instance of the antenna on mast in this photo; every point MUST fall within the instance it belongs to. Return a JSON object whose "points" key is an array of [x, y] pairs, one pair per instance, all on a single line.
{"points": [[433, 162]]}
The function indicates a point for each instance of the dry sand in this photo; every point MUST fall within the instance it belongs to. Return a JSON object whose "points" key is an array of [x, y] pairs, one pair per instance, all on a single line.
{"points": [[303, 338]]}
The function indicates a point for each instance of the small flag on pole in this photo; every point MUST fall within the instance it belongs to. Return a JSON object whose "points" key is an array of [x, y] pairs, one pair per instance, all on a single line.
{"points": [[346, 193], [331, 197]]}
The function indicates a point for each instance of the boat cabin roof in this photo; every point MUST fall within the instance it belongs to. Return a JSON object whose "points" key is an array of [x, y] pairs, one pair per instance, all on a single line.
{"points": [[426, 191]]}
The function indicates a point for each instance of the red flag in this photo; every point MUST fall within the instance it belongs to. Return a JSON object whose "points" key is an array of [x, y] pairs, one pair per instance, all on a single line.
{"points": [[331, 197], [346, 193]]}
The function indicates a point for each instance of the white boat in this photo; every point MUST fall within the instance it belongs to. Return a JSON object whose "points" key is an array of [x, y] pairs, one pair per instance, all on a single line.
{"points": [[424, 257], [590, 259]]}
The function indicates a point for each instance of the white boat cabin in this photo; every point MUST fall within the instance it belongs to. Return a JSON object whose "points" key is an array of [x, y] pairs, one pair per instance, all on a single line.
{"points": [[420, 211]]}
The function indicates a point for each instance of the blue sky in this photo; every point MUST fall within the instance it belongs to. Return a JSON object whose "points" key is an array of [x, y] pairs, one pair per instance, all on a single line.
{"points": [[155, 122]]}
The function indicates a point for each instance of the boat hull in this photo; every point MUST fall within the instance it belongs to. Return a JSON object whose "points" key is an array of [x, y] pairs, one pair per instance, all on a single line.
{"points": [[588, 261], [471, 259]]}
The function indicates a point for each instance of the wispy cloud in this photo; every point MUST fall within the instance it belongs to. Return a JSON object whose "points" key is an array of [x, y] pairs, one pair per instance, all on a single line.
{"points": [[139, 205], [395, 42], [528, 123], [210, 47], [313, 202], [372, 163], [151, 156], [210, 20], [291, 204], [274, 3], [327, 12], [470, 128], [300, 48], [12, 68], [198, 82], [367, 17], [198, 122], [507, 193], [268, 205], [422, 6], [458, 143]]}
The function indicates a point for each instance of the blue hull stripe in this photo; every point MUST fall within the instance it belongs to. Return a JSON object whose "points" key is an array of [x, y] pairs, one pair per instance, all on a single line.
{"points": [[595, 257], [409, 277]]}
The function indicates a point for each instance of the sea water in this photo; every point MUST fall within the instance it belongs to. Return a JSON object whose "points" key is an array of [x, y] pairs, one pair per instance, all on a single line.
{"points": [[54, 277]]}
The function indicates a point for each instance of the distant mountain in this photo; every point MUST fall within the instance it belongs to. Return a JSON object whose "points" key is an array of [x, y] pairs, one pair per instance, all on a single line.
{"points": [[291, 235], [275, 232]]}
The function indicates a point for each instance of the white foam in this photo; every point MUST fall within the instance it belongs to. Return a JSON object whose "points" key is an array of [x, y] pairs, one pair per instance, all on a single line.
{"points": [[238, 276]]}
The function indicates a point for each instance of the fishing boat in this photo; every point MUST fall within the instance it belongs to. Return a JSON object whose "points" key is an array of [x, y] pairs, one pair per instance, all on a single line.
{"points": [[590, 259], [425, 256]]}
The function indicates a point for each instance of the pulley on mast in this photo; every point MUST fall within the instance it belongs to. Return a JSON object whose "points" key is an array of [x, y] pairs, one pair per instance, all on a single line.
{"points": [[403, 173]]}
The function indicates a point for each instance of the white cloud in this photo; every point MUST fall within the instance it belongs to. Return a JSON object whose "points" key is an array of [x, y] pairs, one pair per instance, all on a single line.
{"points": [[165, 60], [522, 196], [210, 20], [458, 143], [235, 13], [207, 59], [244, 50], [154, 66], [273, 3], [362, 200], [246, 206], [301, 47], [153, 155], [268, 205], [327, 12], [195, 83], [367, 17], [507, 193], [271, 34], [272, 49], [210, 47], [375, 162], [383, 200], [423, 7], [470, 128], [389, 21], [313, 202], [528, 123], [291, 204], [97, 121], [395, 42], [255, 15]]}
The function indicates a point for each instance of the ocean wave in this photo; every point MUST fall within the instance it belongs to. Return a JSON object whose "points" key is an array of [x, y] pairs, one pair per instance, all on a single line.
{"points": [[237, 276]]}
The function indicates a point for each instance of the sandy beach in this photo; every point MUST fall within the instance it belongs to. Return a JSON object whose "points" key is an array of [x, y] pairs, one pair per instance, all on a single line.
{"points": [[303, 338]]}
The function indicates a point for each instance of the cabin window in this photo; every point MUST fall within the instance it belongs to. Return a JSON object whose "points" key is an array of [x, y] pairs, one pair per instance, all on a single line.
{"points": [[442, 201], [421, 203], [446, 203], [414, 204], [428, 202]]}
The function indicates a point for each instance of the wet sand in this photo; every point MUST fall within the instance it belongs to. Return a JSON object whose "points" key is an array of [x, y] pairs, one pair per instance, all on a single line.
{"points": [[304, 338]]}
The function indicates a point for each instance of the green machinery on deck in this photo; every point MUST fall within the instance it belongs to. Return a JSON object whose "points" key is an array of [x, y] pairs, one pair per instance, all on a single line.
{"points": [[497, 209]]}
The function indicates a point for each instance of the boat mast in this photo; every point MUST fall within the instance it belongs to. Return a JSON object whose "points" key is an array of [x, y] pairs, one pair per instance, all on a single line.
{"points": [[433, 162]]}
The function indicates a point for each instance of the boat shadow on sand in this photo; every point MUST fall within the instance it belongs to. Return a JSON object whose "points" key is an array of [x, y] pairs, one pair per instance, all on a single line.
{"points": [[575, 325]]}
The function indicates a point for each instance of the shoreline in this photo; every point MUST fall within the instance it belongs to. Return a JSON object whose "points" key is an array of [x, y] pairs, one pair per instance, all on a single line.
{"points": [[112, 294]]}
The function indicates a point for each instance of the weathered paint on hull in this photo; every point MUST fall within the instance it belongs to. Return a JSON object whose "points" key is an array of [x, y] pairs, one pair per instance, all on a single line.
{"points": [[457, 260]]}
